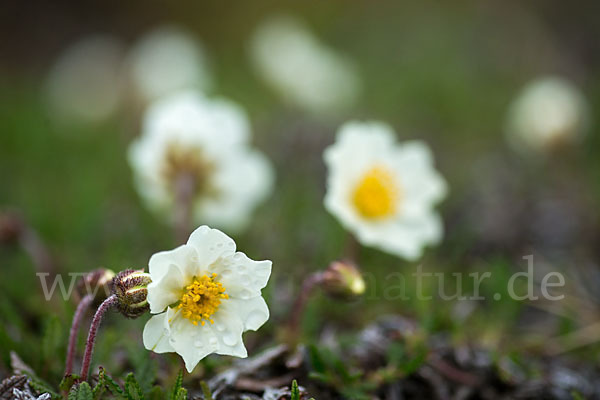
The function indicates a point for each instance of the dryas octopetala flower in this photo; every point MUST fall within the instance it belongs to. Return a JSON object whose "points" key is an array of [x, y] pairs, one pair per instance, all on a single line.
{"points": [[205, 142], [205, 295], [301, 69], [382, 191], [549, 112]]}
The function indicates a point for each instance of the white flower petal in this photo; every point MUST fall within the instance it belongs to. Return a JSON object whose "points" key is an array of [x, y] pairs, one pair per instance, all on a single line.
{"points": [[183, 257], [156, 336], [210, 245], [191, 342], [229, 327], [167, 290], [253, 312], [242, 277]]}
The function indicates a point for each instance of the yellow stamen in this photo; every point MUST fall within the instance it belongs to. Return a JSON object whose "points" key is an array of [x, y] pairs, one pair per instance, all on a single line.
{"points": [[202, 299], [376, 195]]}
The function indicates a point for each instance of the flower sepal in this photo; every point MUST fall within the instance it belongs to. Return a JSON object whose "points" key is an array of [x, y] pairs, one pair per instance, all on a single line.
{"points": [[131, 289]]}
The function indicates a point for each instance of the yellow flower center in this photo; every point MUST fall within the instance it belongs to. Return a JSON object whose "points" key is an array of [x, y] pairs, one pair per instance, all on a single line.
{"points": [[202, 299], [376, 195]]}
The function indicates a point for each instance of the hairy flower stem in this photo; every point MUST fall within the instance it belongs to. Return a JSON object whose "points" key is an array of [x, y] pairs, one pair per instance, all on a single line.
{"points": [[89, 345], [185, 188], [308, 286], [77, 318]]}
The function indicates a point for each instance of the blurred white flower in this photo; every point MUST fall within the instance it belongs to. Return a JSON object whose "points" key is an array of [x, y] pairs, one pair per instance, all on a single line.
{"points": [[303, 70], [205, 295], [382, 191], [189, 135], [85, 84], [549, 112], [167, 60]]}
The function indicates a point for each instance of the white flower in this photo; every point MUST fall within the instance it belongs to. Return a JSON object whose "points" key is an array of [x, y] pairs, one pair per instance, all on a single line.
{"points": [[167, 60], [549, 111], [205, 295], [303, 70], [207, 140], [382, 191], [85, 84]]}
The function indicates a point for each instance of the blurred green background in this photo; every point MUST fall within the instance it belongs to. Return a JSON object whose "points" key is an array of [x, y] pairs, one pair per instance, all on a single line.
{"points": [[444, 72]]}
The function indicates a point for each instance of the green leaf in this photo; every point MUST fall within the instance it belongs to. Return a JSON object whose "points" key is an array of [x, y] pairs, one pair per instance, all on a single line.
{"points": [[206, 391], [295, 392], [132, 388], [112, 386], [67, 382], [81, 392], [181, 394], [178, 383]]}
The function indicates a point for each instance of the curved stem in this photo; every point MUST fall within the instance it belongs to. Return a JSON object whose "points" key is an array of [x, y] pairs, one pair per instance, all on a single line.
{"points": [[89, 345], [308, 286], [77, 317]]}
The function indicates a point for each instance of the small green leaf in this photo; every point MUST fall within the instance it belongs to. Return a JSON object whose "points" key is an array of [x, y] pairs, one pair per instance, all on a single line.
{"points": [[295, 392], [67, 382], [112, 386], [178, 383], [206, 391], [81, 392], [132, 388], [181, 394]]}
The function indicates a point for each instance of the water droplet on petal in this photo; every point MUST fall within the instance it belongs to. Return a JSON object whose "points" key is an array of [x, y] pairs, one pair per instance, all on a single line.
{"points": [[220, 327], [213, 341], [226, 273], [198, 343], [246, 294], [230, 339], [255, 319]]}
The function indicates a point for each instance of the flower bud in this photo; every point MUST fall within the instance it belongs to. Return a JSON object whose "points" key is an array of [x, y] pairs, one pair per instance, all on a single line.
{"points": [[97, 283], [131, 288], [342, 279]]}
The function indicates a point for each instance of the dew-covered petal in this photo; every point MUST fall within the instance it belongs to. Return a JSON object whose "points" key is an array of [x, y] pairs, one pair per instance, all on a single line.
{"points": [[242, 277], [229, 328], [191, 342], [156, 334], [182, 257], [253, 312], [210, 245], [167, 290]]}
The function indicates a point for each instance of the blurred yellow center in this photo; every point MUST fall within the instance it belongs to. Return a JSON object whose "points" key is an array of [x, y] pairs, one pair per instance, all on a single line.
{"points": [[202, 299], [376, 194]]}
